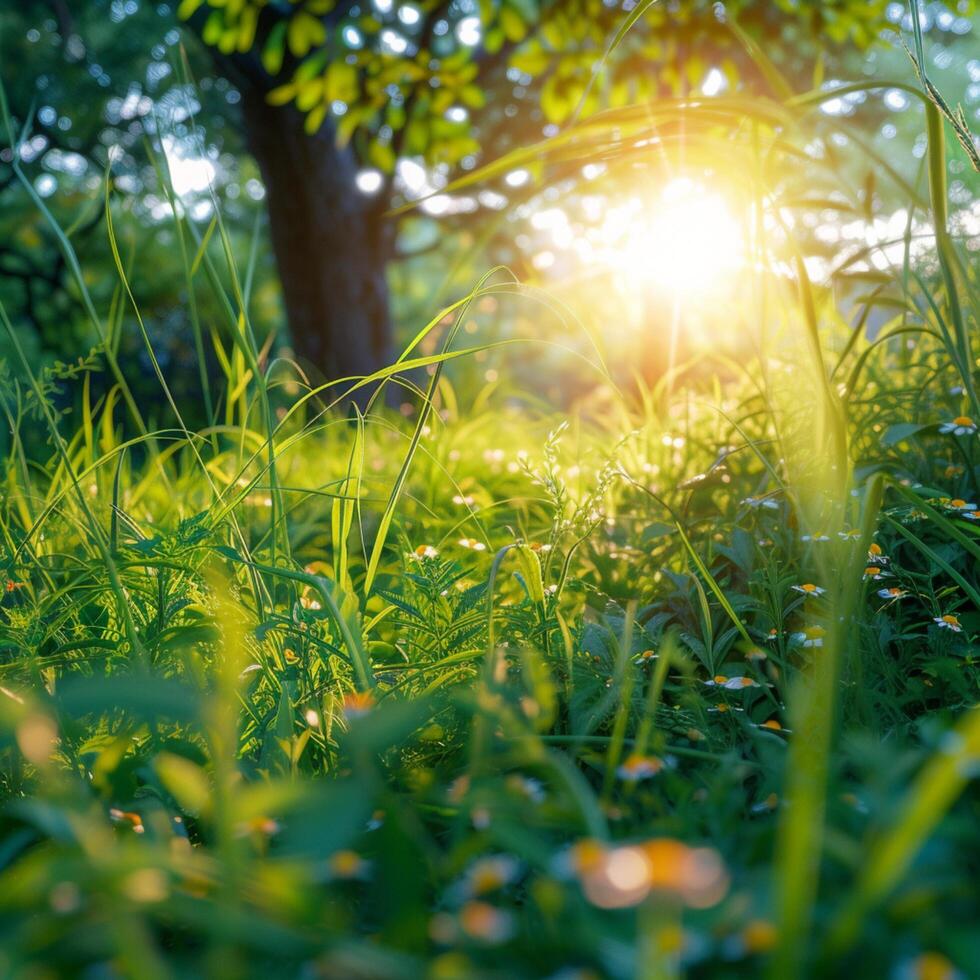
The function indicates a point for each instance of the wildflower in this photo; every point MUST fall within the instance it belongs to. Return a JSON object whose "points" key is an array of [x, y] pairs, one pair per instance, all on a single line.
{"points": [[962, 425], [893, 593], [646, 657], [730, 683], [761, 502], [696, 874], [815, 538], [490, 873], [875, 573], [876, 556], [422, 552], [638, 767], [539, 547], [347, 865], [929, 966], [948, 623], [584, 857], [971, 515], [809, 636], [463, 500], [767, 805], [377, 820], [850, 535], [773, 634], [472, 543], [772, 724], [134, 820], [483, 922], [755, 654], [357, 704], [808, 589]]}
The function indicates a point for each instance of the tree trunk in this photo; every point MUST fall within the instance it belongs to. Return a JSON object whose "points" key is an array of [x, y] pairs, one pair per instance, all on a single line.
{"points": [[330, 241]]}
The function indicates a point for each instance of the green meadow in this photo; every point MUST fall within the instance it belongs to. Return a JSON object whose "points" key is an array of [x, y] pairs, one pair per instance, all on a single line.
{"points": [[618, 619]]}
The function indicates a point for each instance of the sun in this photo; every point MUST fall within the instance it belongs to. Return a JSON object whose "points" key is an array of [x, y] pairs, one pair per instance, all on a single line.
{"points": [[686, 241]]}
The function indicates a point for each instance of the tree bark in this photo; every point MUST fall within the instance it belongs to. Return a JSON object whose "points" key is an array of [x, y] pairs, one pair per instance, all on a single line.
{"points": [[330, 241]]}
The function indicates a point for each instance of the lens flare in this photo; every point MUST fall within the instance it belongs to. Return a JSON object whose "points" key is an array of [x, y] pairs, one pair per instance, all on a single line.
{"points": [[688, 242]]}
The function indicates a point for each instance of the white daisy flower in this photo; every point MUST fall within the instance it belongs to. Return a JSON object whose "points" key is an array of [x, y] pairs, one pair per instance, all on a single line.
{"points": [[761, 502], [422, 552], [962, 425], [893, 593], [488, 874], [875, 573], [948, 623], [961, 505], [730, 683], [808, 588], [876, 556], [472, 543], [637, 767], [773, 725], [767, 805]]}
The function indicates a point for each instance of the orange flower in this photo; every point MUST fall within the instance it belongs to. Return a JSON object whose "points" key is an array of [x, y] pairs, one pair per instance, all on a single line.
{"points": [[127, 817], [357, 704]]}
